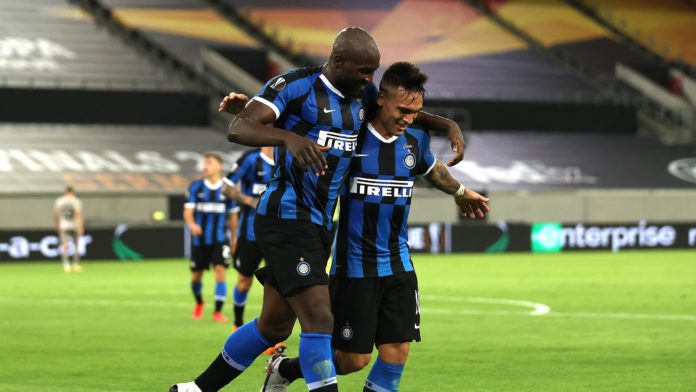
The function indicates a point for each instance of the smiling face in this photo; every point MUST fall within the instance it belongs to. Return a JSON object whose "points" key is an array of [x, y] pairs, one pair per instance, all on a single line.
{"points": [[397, 109], [353, 73]]}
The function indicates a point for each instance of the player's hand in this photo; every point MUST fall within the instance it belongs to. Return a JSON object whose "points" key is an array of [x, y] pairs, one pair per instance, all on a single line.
{"points": [[80, 232], [195, 230], [250, 201], [472, 205], [233, 245], [454, 134], [233, 103], [309, 155]]}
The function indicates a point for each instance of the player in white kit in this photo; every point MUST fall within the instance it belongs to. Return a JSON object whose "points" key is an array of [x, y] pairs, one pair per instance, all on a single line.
{"points": [[67, 216]]}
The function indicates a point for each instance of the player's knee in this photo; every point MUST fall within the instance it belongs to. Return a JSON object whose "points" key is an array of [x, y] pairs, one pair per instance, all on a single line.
{"points": [[350, 363], [275, 332], [244, 283], [318, 320], [395, 352]]}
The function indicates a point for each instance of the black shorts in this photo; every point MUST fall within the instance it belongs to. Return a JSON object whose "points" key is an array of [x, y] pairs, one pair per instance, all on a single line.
{"points": [[203, 255], [373, 311], [247, 257], [295, 251]]}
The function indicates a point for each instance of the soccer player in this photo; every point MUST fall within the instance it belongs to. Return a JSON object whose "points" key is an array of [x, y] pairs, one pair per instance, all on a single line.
{"points": [[252, 172], [67, 217], [207, 213], [317, 114], [374, 289]]}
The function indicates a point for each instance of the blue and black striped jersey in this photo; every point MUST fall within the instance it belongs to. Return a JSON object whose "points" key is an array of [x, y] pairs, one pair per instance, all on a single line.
{"points": [[253, 172], [375, 201], [210, 211], [306, 103]]}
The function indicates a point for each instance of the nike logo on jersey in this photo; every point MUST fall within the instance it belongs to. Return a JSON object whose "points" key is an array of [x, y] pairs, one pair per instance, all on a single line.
{"points": [[329, 111], [416, 326]]}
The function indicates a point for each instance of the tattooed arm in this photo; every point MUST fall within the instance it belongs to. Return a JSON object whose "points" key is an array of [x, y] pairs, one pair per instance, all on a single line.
{"points": [[470, 203], [231, 192]]}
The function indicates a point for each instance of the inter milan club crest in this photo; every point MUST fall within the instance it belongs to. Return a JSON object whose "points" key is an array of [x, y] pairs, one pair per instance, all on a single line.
{"points": [[410, 160], [303, 267], [347, 332]]}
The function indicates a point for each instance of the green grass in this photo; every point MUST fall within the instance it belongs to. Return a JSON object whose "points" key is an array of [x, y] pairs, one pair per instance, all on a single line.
{"points": [[618, 322]]}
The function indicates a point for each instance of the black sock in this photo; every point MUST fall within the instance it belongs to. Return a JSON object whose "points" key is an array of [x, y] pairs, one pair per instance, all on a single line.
{"points": [[239, 315], [218, 305], [217, 375], [290, 369], [199, 299]]}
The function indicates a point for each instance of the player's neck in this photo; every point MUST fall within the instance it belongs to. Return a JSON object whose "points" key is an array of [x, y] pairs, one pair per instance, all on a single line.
{"points": [[381, 129], [213, 179]]}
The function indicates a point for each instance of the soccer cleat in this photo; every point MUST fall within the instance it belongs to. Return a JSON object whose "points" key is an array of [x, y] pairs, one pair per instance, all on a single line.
{"points": [[67, 269], [277, 349], [185, 387], [234, 328], [77, 268], [219, 318], [198, 312], [274, 381]]}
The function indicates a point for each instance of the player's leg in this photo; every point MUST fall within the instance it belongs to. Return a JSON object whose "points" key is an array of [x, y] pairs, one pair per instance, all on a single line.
{"points": [[386, 372], [198, 265], [76, 254], [241, 292], [355, 306], [246, 260], [399, 324], [64, 246], [220, 264], [248, 342]]}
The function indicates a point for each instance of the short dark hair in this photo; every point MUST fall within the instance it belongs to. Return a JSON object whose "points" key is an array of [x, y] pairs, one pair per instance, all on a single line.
{"points": [[213, 155], [406, 75], [69, 189]]}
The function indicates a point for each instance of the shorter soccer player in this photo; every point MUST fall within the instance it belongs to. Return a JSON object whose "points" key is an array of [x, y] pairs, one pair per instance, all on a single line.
{"points": [[252, 173], [207, 214], [374, 289], [67, 216]]}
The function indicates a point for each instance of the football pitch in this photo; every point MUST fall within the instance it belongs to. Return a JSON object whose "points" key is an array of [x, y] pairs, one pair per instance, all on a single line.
{"points": [[561, 322]]}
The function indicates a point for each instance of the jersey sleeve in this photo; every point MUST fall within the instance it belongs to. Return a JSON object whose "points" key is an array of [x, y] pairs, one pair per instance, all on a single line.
{"points": [[232, 207], [238, 170], [78, 205], [191, 196], [426, 161], [282, 89]]}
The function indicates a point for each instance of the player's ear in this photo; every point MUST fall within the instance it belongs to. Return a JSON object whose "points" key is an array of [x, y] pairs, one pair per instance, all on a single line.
{"points": [[380, 99], [338, 61]]}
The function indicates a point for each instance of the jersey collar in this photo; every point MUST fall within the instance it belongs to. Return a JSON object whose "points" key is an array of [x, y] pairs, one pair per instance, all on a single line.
{"points": [[212, 186], [330, 86], [267, 159], [380, 137]]}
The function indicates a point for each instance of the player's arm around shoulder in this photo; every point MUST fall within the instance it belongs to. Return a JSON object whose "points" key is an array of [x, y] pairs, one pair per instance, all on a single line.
{"points": [[471, 204], [448, 127]]}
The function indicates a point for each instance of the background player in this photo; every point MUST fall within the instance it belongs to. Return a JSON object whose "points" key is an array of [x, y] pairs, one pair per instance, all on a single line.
{"points": [[374, 289], [252, 173], [323, 110], [67, 217], [207, 213]]}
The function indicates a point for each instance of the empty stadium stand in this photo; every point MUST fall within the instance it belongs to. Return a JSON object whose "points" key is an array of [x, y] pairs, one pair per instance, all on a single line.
{"points": [[52, 44], [466, 55]]}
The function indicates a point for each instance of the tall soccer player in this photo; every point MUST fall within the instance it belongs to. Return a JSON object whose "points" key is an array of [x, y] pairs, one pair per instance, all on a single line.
{"points": [[208, 214], [317, 114], [374, 289], [67, 217], [251, 173]]}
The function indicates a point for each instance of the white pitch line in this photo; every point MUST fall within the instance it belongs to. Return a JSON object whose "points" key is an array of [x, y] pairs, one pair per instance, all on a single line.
{"points": [[445, 311], [538, 309]]}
